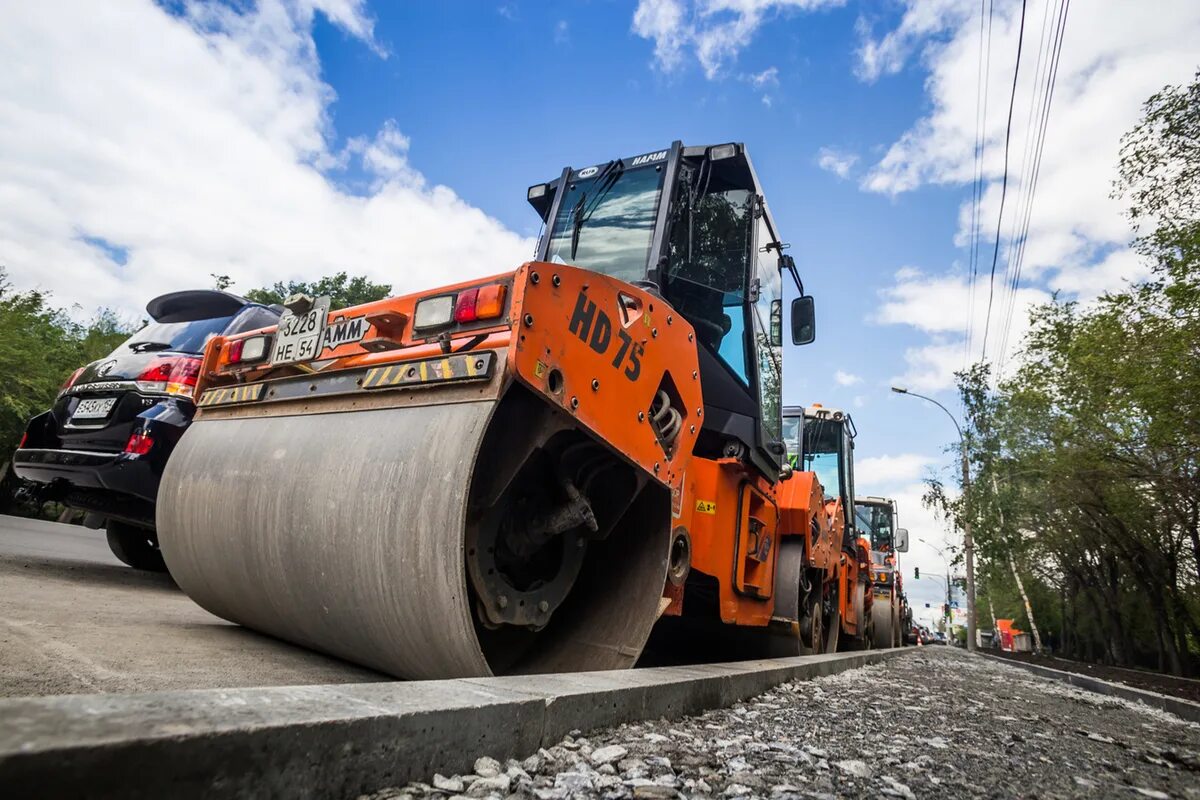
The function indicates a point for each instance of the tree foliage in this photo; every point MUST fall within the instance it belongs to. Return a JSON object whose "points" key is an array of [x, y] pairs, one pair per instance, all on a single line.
{"points": [[1086, 460], [40, 346], [343, 290]]}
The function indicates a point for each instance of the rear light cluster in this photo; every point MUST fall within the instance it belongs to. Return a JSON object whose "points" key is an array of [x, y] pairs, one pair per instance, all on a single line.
{"points": [[139, 444], [71, 380], [469, 305], [170, 375], [247, 351]]}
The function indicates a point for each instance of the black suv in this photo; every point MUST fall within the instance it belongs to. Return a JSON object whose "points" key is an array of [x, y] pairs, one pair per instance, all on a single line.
{"points": [[102, 447]]}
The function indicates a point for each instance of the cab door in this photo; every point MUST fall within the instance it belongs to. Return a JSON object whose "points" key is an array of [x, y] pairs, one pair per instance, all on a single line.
{"points": [[766, 311]]}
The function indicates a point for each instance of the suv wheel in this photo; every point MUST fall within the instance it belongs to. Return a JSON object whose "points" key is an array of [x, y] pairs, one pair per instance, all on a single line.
{"points": [[135, 546]]}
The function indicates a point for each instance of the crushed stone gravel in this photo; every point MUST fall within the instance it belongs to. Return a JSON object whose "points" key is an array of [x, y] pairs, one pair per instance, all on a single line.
{"points": [[933, 723]]}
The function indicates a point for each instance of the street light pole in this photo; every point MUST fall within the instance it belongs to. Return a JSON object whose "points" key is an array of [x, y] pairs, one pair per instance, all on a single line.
{"points": [[968, 541]]}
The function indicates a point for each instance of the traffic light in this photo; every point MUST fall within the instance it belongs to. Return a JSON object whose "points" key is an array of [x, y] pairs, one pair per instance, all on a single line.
{"points": [[916, 573]]}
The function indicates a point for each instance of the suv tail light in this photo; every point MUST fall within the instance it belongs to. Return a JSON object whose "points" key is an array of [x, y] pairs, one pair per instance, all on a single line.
{"points": [[71, 380], [171, 375], [139, 444]]}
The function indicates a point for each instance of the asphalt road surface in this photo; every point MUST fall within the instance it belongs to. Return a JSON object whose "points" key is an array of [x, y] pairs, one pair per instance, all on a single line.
{"points": [[75, 620], [936, 723]]}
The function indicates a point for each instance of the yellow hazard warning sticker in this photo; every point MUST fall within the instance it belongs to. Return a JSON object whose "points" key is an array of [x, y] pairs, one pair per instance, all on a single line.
{"points": [[539, 369], [231, 394], [706, 507]]}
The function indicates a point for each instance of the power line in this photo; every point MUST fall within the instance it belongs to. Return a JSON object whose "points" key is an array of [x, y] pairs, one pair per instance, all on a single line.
{"points": [[1004, 183], [1015, 238], [1052, 79]]}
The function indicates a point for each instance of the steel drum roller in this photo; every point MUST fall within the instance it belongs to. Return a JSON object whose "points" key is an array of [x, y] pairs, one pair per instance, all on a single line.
{"points": [[344, 532]]}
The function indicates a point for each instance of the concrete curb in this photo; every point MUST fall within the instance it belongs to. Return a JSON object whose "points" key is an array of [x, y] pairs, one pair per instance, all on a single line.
{"points": [[342, 740], [1185, 709]]}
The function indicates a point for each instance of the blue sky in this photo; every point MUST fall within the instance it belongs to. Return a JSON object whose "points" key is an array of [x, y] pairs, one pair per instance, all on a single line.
{"points": [[145, 146], [496, 100]]}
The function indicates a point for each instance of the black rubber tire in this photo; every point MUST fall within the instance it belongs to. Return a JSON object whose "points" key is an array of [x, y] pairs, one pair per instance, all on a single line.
{"points": [[134, 546]]}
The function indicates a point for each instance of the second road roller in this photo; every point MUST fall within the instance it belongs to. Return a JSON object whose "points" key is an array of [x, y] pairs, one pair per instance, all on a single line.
{"points": [[527, 472]]}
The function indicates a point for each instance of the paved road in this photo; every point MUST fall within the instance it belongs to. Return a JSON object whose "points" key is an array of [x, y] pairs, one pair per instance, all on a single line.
{"points": [[73, 619], [935, 723]]}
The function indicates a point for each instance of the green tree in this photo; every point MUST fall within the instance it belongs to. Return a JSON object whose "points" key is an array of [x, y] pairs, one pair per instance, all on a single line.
{"points": [[343, 290], [40, 346], [1085, 499]]}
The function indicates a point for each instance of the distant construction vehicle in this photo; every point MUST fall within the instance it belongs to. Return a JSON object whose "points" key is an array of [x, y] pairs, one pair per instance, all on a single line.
{"points": [[523, 473], [877, 519]]}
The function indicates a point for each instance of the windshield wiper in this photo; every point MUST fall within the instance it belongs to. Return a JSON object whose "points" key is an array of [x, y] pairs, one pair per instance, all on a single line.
{"points": [[146, 347], [581, 213], [577, 223]]}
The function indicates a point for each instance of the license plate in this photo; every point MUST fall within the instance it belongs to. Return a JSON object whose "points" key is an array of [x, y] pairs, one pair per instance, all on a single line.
{"points": [[299, 335], [97, 408]]}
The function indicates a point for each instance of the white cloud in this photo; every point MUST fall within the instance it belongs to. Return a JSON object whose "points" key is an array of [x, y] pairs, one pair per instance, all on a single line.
{"points": [[562, 32], [768, 77], [843, 378], [1114, 56], [836, 161], [715, 30], [941, 306], [141, 151], [873, 475], [887, 54]]}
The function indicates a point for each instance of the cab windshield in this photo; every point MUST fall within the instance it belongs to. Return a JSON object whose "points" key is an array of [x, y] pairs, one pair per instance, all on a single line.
{"points": [[822, 445], [875, 522], [791, 440], [707, 269], [605, 222]]}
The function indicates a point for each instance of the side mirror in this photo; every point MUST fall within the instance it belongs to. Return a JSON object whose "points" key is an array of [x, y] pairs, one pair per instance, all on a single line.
{"points": [[901, 540], [804, 320]]}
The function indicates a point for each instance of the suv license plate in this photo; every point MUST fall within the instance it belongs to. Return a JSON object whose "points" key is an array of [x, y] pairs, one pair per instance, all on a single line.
{"points": [[96, 408], [298, 337]]}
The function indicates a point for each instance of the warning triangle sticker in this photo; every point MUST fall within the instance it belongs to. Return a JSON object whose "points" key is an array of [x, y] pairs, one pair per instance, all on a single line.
{"points": [[630, 308]]}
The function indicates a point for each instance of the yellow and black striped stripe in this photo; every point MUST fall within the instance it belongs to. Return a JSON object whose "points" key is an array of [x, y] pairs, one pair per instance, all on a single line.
{"points": [[232, 394], [452, 367], [444, 369]]}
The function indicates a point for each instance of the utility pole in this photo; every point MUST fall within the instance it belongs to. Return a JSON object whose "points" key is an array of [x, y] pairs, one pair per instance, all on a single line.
{"points": [[968, 541]]}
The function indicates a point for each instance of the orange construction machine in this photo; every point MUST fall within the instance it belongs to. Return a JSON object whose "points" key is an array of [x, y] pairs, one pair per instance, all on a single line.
{"points": [[876, 517], [525, 472]]}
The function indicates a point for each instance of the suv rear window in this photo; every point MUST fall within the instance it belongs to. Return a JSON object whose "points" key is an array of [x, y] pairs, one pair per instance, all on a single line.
{"points": [[179, 337]]}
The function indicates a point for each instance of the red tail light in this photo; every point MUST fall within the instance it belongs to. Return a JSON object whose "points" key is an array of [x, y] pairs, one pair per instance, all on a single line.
{"points": [[170, 375], [464, 307], [139, 444], [71, 380], [244, 351], [482, 302], [24, 439]]}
